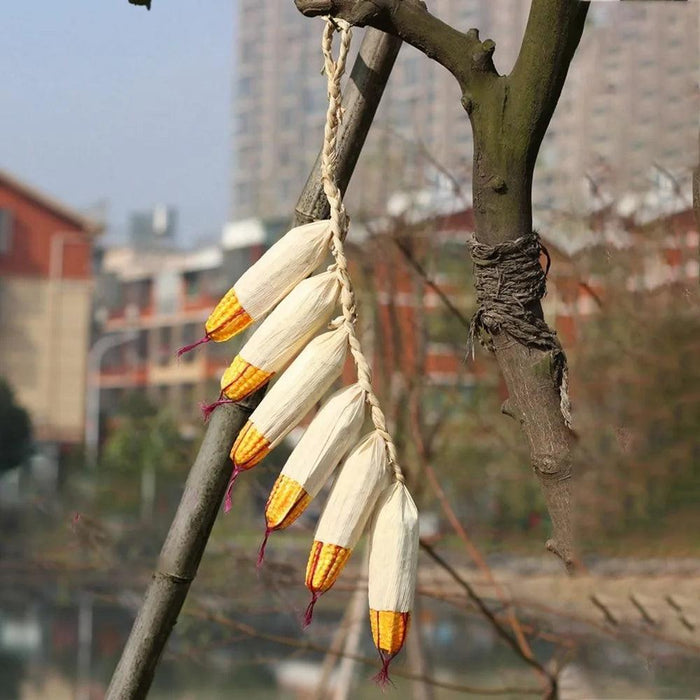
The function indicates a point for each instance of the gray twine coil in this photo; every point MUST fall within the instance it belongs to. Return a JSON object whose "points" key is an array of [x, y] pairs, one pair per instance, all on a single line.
{"points": [[508, 278]]}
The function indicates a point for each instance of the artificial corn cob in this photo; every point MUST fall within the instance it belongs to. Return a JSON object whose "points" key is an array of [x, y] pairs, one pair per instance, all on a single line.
{"points": [[241, 379], [389, 630], [290, 399], [393, 561], [251, 447], [330, 435], [228, 318], [282, 334], [287, 501], [361, 479], [296, 255], [326, 561]]}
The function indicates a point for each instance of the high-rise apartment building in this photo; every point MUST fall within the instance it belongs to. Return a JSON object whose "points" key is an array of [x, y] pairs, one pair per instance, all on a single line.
{"points": [[630, 105], [631, 100]]}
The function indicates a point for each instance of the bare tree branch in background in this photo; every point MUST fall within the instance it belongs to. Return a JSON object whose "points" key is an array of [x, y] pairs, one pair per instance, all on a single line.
{"points": [[251, 631], [696, 188]]}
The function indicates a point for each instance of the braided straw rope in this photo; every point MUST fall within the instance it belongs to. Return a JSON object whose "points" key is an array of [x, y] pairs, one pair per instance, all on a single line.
{"points": [[334, 69]]}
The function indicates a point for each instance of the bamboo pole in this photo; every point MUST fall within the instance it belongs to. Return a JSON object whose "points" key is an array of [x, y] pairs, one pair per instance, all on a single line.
{"points": [[204, 490]]}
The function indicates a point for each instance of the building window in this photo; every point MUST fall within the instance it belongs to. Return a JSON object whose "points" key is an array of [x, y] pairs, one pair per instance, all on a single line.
{"points": [[190, 333], [164, 345], [139, 293], [193, 285], [142, 347], [187, 397], [245, 87], [5, 231]]}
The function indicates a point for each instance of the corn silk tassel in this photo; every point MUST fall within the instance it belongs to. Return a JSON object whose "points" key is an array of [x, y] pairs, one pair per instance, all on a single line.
{"points": [[393, 562], [363, 476], [303, 384], [369, 468], [295, 256], [331, 434], [279, 338]]}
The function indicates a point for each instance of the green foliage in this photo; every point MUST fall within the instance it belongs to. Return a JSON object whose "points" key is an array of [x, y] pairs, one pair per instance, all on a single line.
{"points": [[15, 430], [145, 436], [145, 440], [641, 416]]}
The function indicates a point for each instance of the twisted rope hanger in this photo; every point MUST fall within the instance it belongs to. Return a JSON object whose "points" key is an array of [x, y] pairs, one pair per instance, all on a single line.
{"points": [[334, 69]]}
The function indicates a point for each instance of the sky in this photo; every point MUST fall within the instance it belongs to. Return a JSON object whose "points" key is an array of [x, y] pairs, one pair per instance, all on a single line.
{"points": [[103, 100]]}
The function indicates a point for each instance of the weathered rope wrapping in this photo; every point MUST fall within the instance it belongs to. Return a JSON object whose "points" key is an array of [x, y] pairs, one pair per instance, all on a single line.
{"points": [[508, 278]]}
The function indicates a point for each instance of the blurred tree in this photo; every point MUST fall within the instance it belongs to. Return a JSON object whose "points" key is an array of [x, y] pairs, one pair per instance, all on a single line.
{"points": [[146, 441], [639, 407], [15, 430]]}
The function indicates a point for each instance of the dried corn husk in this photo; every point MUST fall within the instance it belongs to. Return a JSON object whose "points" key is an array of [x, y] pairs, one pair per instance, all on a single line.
{"points": [[333, 431], [363, 476], [307, 308], [292, 397], [393, 562], [296, 255]]}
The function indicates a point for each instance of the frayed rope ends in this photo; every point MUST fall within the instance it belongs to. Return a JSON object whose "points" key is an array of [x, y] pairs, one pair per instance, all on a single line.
{"points": [[228, 503], [261, 551], [192, 346], [308, 615], [208, 408], [382, 678]]}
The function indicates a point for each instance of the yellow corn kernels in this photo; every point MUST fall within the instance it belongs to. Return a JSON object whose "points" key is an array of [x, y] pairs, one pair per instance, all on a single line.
{"points": [[241, 379], [286, 503], [389, 629], [250, 447], [326, 561], [227, 318]]}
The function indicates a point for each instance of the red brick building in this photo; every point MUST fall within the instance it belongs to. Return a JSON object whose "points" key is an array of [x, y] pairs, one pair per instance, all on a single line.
{"points": [[45, 303]]}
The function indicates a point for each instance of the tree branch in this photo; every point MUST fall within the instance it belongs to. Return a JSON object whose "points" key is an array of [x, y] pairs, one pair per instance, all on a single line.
{"points": [[509, 121], [495, 622], [362, 95], [463, 54], [181, 553], [509, 116], [551, 37], [696, 189], [251, 631]]}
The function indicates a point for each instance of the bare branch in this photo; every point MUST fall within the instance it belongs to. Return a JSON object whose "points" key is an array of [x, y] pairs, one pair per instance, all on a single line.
{"points": [[368, 79], [251, 631], [411, 260], [696, 189], [488, 614], [464, 55], [552, 34]]}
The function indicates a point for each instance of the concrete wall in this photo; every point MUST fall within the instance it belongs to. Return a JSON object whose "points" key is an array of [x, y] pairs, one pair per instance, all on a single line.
{"points": [[44, 338]]}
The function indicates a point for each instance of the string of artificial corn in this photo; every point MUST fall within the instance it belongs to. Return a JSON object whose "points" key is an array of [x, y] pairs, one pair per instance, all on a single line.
{"points": [[328, 556]]}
